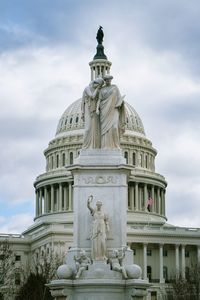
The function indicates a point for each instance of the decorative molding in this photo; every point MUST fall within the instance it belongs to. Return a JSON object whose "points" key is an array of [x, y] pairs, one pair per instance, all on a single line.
{"points": [[100, 179]]}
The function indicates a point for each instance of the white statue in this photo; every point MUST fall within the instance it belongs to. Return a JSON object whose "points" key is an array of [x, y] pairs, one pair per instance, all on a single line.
{"points": [[100, 227], [88, 107], [82, 263], [116, 261], [112, 114]]}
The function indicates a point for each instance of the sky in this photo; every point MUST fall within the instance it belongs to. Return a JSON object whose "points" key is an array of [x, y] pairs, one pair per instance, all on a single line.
{"points": [[45, 48]]}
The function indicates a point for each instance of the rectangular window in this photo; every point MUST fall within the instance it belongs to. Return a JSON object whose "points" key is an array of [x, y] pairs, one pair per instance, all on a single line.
{"points": [[165, 253], [149, 252], [187, 253], [17, 257], [17, 278]]}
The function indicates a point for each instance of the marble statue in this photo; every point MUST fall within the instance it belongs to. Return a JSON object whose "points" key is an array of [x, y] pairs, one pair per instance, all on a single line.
{"points": [[116, 262], [82, 263], [88, 107], [112, 114], [100, 227]]}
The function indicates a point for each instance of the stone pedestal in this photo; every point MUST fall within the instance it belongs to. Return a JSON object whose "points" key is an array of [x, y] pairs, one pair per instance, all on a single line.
{"points": [[103, 174], [99, 289]]}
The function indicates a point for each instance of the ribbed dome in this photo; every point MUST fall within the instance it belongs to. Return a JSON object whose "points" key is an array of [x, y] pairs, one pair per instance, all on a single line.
{"points": [[71, 119]]}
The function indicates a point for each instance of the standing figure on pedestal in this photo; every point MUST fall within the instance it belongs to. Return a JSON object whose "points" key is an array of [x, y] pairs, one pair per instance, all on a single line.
{"points": [[88, 107], [100, 227], [112, 114]]}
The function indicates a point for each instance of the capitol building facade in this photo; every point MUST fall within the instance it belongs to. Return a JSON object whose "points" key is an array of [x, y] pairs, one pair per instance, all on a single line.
{"points": [[161, 249]]}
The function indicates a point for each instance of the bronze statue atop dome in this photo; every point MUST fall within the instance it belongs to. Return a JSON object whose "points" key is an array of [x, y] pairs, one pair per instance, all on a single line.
{"points": [[100, 48], [100, 35]]}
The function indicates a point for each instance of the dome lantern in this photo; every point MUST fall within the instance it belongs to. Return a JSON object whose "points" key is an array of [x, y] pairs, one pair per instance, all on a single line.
{"points": [[99, 66]]}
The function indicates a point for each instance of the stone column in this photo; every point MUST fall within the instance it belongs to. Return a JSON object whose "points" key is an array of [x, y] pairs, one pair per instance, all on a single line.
{"points": [[60, 197], [65, 197], [139, 202], [40, 201], [161, 263], [57, 198], [159, 200], [183, 261], [177, 260], [45, 199], [136, 196], [70, 196], [164, 202], [198, 254], [37, 203], [52, 198], [153, 197], [145, 196], [145, 261], [132, 198]]}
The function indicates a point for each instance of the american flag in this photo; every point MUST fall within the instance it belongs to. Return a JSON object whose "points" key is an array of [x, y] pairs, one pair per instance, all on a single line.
{"points": [[149, 203]]}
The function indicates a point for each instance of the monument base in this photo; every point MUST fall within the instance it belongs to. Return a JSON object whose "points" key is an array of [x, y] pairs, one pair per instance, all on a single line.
{"points": [[98, 289]]}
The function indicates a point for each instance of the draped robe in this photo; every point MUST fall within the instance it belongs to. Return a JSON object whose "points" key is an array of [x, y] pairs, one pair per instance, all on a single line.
{"points": [[92, 128], [111, 116]]}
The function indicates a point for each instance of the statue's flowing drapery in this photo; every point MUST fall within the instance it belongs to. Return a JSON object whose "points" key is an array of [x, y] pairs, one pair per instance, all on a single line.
{"points": [[92, 126], [98, 236], [111, 116]]}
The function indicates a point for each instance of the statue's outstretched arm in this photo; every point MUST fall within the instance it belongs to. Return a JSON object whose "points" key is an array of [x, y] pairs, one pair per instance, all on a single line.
{"points": [[89, 201]]}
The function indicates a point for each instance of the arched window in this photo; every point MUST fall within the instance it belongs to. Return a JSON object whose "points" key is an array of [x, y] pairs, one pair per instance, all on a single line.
{"points": [[52, 162], [146, 161], [71, 121], [57, 161], [126, 156], [165, 273], [76, 119], [140, 160], [149, 272], [63, 159], [134, 158], [71, 158]]}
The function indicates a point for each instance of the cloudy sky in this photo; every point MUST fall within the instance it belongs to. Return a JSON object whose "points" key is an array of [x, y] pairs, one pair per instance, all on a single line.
{"points": [[45, 47]]}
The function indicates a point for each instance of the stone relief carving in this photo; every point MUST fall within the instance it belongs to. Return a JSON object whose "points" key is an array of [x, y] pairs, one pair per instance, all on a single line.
{"points": [[116, 262], [99, 179], [82, 263]]}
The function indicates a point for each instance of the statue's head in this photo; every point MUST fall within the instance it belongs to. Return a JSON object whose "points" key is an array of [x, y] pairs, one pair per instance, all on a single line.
{"points": [[82, 252], [107, 79], [98, 81], [99, 204], [115, 253]]}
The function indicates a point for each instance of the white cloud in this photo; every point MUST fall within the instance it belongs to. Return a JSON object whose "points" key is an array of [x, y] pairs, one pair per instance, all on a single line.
{"points": [[16, 223], [37, 83]]}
